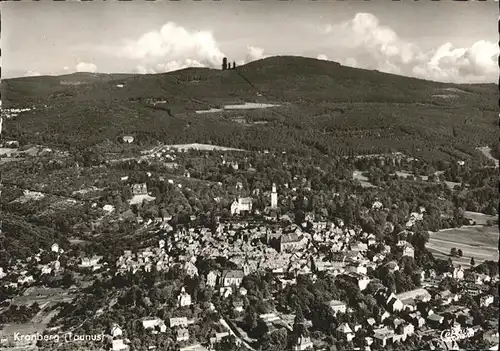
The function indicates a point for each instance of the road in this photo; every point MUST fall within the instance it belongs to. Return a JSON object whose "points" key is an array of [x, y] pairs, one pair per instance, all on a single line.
{"points": [[225, 325]]}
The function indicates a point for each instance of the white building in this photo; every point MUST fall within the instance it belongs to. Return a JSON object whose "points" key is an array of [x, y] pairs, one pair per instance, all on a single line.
{"points": [[211, 279], [274, 197], [184, 299], [487, 300], [116, 331], [243, 204], [303, 343], [118, 345], [337, 306]]}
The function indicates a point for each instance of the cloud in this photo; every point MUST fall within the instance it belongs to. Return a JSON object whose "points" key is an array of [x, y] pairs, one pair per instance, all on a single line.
{"points": [[173, 47], [373, 45], [254, 53], [86, 67], [66, 68], [350, 61], [322, 57], [31, 73]]}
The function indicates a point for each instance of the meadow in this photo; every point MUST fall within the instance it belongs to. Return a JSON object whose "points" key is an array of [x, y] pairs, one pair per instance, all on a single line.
{"points": [[480, 242]]}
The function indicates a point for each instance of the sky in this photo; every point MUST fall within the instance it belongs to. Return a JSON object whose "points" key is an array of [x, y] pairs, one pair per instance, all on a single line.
{"points": [[442, 40]]}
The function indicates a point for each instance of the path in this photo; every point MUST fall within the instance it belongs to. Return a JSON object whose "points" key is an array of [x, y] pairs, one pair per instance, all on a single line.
{"points": [[225, 325]]}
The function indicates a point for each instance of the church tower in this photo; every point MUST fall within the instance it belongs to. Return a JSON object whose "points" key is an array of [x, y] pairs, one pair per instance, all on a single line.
{"points": [[274, 198]]}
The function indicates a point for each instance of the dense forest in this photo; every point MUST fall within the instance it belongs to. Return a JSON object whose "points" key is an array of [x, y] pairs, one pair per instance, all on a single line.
{"points": [[324, 108]]}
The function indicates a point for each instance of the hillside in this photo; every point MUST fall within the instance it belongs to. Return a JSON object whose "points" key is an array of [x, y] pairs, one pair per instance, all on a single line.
{"points": [[324, 107]]}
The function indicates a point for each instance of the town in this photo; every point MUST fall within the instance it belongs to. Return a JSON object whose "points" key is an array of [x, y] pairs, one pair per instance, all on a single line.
{"points": [[183, 176], [277, 265]]}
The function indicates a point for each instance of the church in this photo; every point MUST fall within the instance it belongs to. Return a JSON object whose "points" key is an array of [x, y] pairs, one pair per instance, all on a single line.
{"points": [[243, 204]]}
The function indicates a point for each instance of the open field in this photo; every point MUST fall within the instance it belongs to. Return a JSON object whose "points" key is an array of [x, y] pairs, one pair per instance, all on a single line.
{"points": [[474, 241], [480, 218], [202, 147], [46, 298], [486, 151], [358, 175], [451, 185]]}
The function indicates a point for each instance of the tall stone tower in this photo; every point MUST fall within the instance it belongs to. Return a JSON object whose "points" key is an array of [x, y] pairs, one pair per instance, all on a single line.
{"points": [[274, 198]]}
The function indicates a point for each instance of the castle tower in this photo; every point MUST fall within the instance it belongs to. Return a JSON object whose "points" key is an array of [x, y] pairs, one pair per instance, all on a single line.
{"points": [[274, 198]]}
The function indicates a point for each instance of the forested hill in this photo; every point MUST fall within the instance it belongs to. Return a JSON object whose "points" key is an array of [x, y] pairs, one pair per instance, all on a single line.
{"points": [[324, 107]]}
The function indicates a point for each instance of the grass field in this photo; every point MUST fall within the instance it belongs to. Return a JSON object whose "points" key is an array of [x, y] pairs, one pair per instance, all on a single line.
{"points": [[480, 218], [474, 241], [201, 147]]}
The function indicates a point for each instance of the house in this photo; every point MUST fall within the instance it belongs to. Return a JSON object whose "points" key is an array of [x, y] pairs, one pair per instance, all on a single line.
{"points": [[154, 323], [382, 336], [408, 250], [90, 262], [435, 319], [394, 304], [404, 328], [344, 331], [420, 274], [232, 278], [392, 266], [416, 319], [337, 306], [359, 247], [118, 345], [212, 279], [28, 279], [357, 268], [108, 208], [486, 300], [302, 343], [458, 273], [269, 318], [191, 269], [416, 294], [178, 321], [182, 335], [384, 316], [127, 138], [140, 189], [218, 338], [243, 204], [184, 299], [238, 306], [46, 270], [363, 281], [289, 242], [116, 331], [447, 297], [54, 248]]}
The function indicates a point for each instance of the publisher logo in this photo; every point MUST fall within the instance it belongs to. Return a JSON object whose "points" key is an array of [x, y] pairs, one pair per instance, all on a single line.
{"points": [[456, 334]]}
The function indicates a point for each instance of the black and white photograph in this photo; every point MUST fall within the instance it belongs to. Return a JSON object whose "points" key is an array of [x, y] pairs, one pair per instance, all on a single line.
{"points": [[249, 175]]}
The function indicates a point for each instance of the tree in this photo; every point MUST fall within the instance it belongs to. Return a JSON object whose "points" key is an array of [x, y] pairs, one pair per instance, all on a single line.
{"points": [[298, 324], [227, 344], [460, 253], [224, 63], [472, 262], [234, 65], [453, 252], [275, 341]]}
